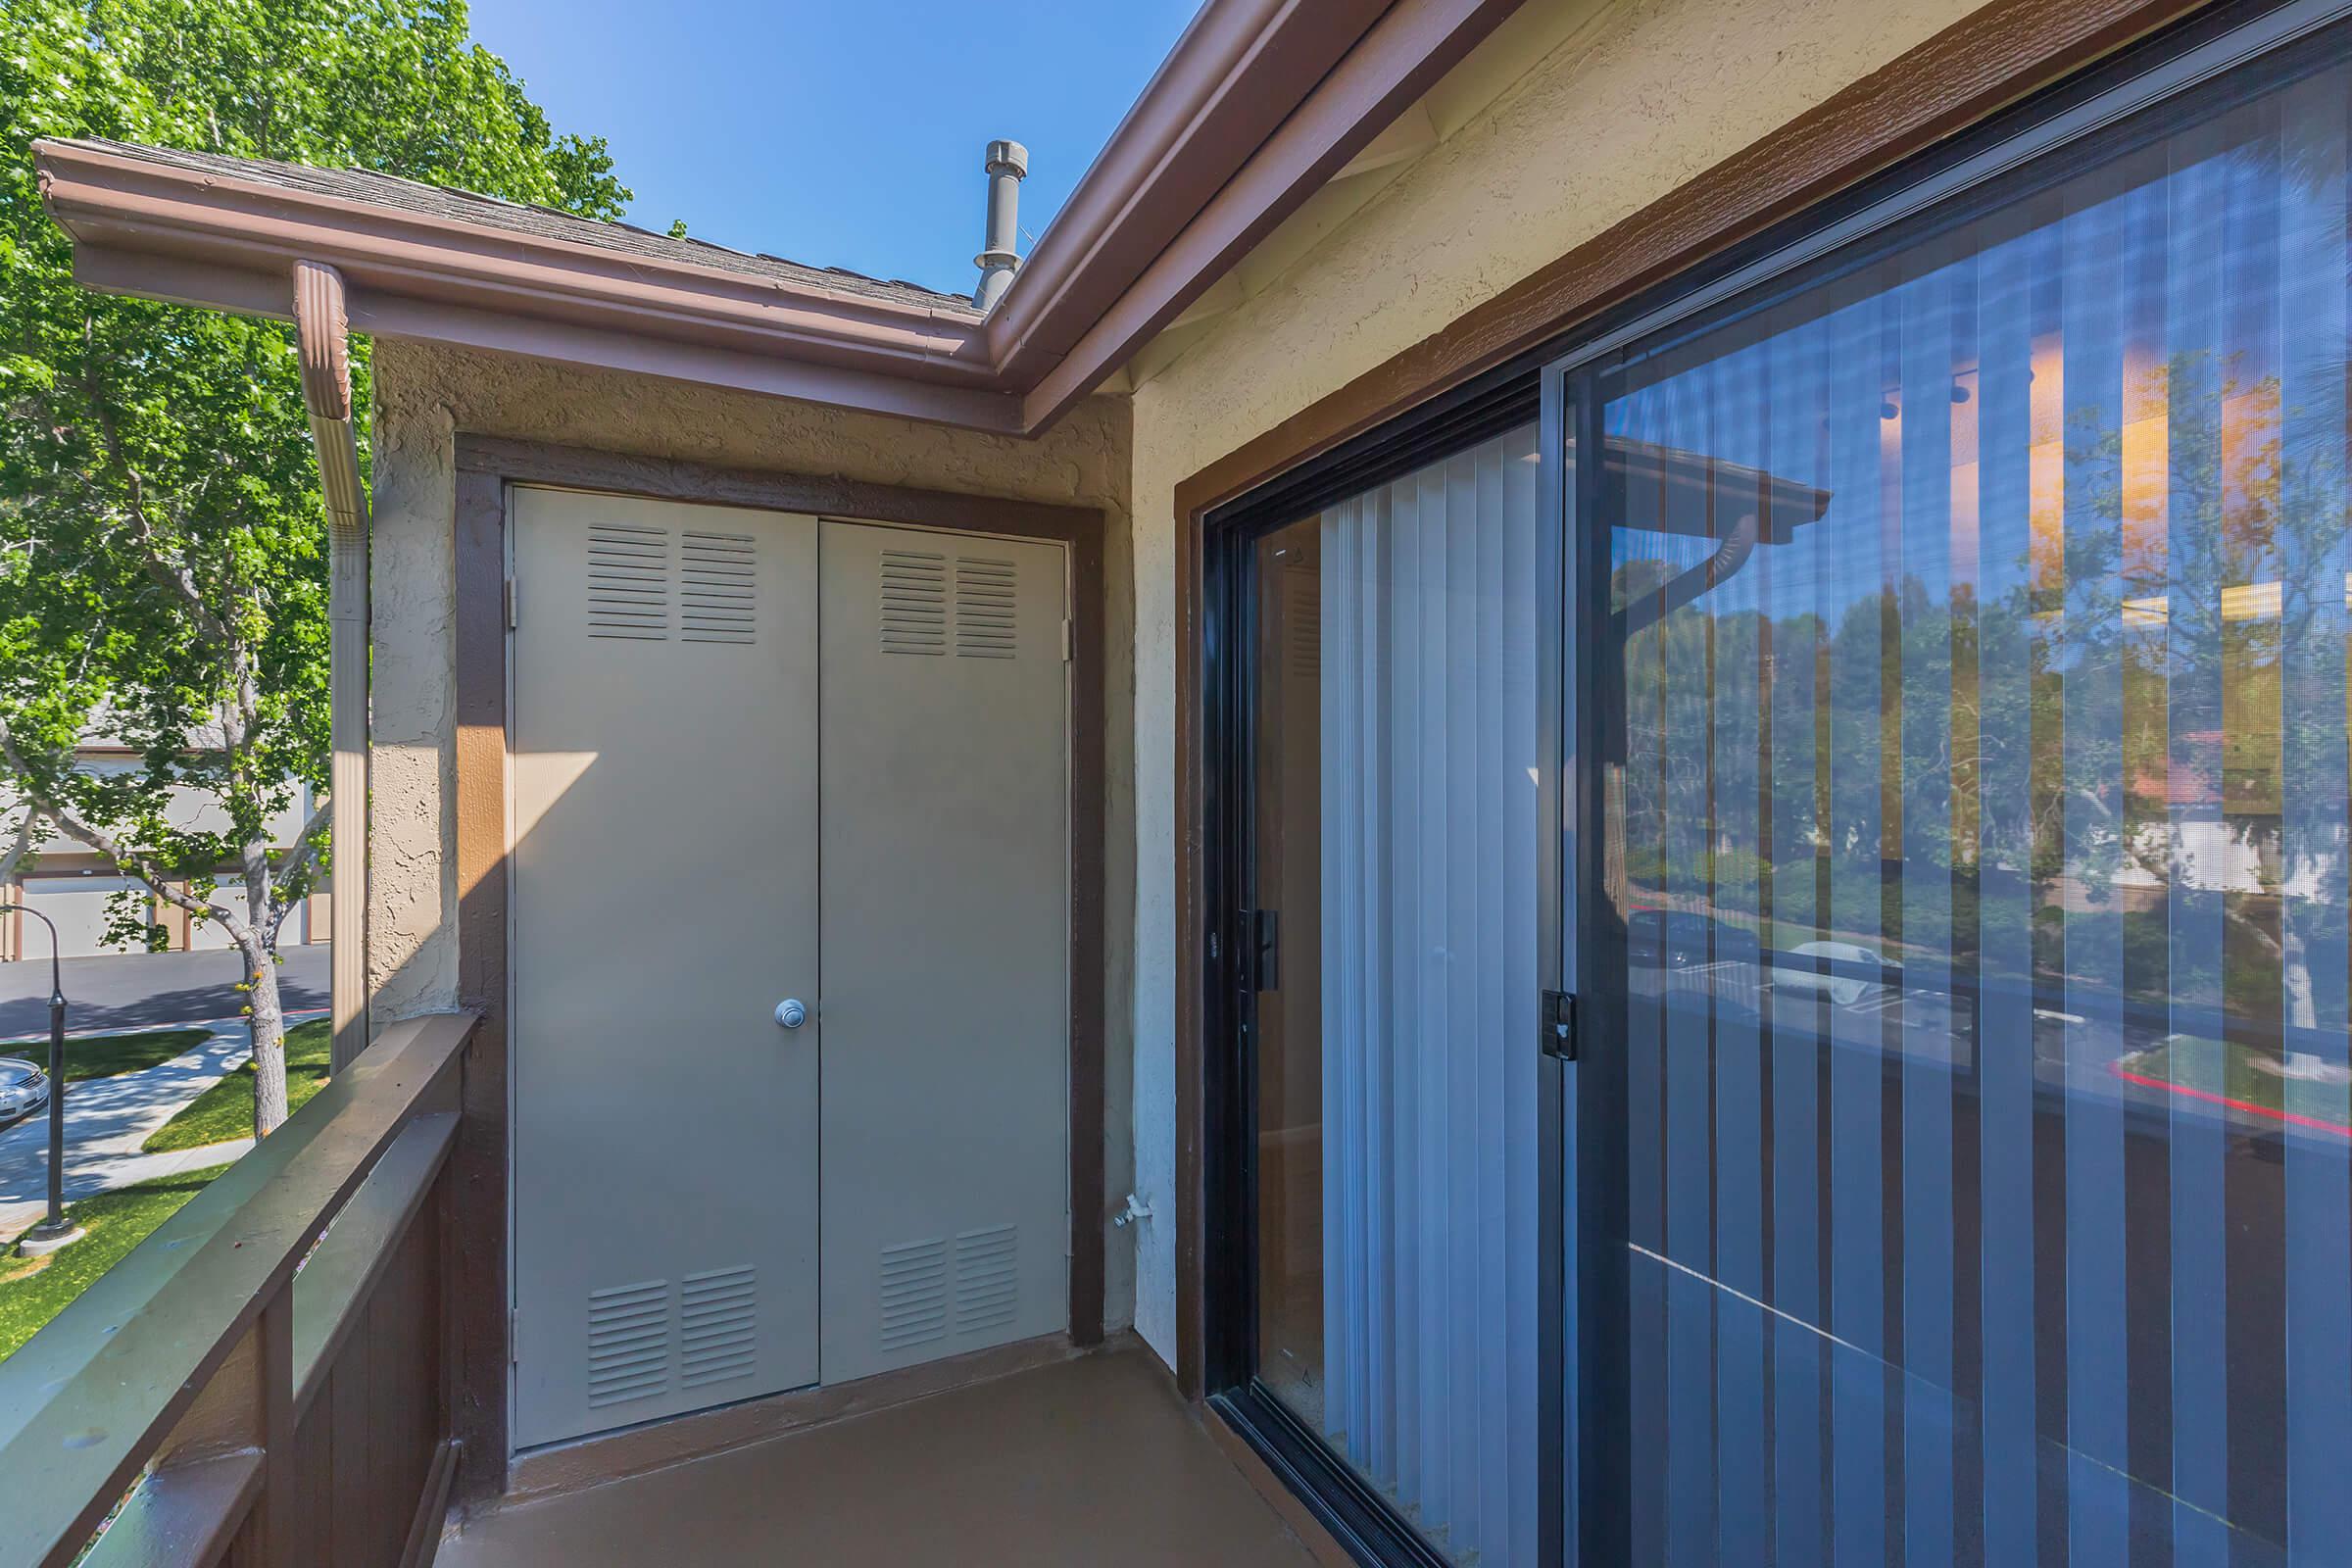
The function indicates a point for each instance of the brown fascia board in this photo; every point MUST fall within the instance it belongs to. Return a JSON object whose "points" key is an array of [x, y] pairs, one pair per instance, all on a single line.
{"points": [[105, 198], [1234, 76], [203, 239], [1400, 59], [211, 285], [1260, 103]]}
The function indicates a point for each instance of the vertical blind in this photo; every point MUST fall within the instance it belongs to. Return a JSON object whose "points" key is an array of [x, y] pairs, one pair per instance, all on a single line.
{"points": [[1978, 832], [1428, 846]]}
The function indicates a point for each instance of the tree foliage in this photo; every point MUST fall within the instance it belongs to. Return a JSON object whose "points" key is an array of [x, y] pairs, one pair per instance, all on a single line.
{"points": [[162, 536]]}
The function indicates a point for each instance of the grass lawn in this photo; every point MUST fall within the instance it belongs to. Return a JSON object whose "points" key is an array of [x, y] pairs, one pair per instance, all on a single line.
{"points": [[225, 1110], [34, 1290], [2249, 1081], [105, 1056]]}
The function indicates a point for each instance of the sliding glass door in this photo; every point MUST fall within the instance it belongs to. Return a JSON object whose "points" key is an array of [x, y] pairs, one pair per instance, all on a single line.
{"points": [[1962, 1169], [1388, 986], [1782, 976]]}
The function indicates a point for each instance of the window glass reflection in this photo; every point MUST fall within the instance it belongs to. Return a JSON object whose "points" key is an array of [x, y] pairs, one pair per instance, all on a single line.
{"points": [[1976, 833]]}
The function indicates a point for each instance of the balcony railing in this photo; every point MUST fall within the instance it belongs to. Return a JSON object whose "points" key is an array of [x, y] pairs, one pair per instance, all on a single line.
{"points": [[265, 1379]]}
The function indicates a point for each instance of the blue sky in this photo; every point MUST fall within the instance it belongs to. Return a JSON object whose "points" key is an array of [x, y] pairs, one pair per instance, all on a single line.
{"points": [[845, 134]]}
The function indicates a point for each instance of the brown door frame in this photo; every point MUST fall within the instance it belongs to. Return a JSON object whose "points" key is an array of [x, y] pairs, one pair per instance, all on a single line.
{"points": [[1986, 61], [486, 467]]}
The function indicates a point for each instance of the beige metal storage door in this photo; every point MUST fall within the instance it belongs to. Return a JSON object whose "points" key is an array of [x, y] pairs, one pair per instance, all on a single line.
{"points": [[946, 942], [664, 901]]}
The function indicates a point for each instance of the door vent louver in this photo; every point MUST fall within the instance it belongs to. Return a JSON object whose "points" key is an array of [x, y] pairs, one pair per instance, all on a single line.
{"points": [[1304, 612], [628, 1341], [914, 602], [719, 580], [914, 1292], [719, 1326], [987, 1280], [628, 581], [985, 597]]}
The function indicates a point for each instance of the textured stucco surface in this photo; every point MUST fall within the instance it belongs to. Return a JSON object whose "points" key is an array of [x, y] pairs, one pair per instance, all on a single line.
{"points": [[1639, 97], [425, 395], [412, 824]]}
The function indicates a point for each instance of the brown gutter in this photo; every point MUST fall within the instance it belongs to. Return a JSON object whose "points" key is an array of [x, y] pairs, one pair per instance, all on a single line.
{"points": [[322, 349], [1239, 70], [231, 244], [105, 198], [1259, 105], [1404, 55]]}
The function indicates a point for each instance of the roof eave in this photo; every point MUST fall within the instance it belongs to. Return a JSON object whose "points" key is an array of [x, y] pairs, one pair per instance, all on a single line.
{"points": [[1260, 103], [202, 239], [90, 188]]}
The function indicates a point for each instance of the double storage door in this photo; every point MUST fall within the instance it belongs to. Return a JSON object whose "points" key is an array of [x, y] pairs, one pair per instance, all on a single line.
{"points": [[760, 759]]}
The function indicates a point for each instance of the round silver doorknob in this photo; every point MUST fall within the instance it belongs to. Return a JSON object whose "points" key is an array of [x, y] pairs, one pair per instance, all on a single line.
{"points": [[791, 1013]]}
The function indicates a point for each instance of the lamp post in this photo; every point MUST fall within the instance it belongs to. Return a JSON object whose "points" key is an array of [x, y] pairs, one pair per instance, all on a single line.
{"points": [[52, 1231]]}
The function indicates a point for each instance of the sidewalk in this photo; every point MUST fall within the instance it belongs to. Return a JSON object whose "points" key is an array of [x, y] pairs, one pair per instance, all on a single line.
{"points": [[106, 1121]]}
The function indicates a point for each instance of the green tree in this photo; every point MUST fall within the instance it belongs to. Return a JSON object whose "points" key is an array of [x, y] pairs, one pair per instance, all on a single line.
{"points": [[162, 537]]}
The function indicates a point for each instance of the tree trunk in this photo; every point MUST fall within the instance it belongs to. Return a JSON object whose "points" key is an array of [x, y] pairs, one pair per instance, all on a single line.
{"points": [[269, 1039]]}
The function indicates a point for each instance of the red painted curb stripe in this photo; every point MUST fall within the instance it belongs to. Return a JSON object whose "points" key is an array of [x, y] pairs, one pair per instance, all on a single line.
{"points": [[2313, 1122]]}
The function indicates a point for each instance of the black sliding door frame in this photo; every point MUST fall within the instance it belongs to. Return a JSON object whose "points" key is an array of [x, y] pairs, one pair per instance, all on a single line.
{"points": [[1362, 1520]]}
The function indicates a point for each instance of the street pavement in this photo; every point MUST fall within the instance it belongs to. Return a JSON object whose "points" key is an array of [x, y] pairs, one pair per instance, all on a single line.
{"points": [[148, 990], [106, 1121]]}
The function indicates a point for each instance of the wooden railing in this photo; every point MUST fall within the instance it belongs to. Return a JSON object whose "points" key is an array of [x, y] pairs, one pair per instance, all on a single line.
{"points": [[226, 1394]]}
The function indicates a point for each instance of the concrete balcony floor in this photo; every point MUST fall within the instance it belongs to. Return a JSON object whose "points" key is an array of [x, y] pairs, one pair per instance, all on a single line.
{"points": [[1087, 1461]]}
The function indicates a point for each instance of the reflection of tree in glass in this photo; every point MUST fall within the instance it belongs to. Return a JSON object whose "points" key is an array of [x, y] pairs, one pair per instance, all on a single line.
{"points": [[2201, 539]]}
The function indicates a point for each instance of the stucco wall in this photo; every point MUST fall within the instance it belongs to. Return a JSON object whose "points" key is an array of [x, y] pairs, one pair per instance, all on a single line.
{"points": [[1634, 99], [425, 395]]}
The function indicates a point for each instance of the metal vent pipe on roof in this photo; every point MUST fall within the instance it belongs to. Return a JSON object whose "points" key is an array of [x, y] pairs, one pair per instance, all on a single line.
{"points": [[1008, 166]]}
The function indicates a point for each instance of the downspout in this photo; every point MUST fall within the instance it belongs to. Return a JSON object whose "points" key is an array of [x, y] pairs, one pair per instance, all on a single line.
{"points": [[1656, 604], [323, 339]]}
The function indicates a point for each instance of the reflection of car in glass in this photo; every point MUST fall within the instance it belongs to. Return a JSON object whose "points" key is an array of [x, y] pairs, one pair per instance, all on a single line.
{"points": [[1691, 961], [1682, 939], [1845, 987], [23, 1090]]}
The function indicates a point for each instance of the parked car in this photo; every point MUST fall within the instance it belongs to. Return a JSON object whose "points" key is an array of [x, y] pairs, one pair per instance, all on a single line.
{"points": [[23, 1090], [1838, 977]]}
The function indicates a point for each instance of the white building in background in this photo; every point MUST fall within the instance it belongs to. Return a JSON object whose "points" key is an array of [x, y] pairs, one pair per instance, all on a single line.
{"points": [[74, 885]]}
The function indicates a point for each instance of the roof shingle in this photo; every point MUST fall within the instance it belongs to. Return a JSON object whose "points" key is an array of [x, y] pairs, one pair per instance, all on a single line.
{"points": [[452, 205]]}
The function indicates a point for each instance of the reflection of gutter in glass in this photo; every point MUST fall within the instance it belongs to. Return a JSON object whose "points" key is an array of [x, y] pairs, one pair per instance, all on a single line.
{"points": [[1691, 489], [1680, 590]]}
